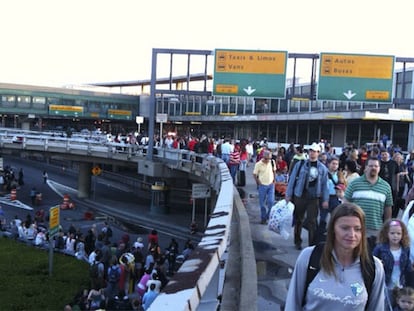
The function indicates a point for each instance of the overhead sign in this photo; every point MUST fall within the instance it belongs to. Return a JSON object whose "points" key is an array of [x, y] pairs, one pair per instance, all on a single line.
{"points": [[120, 114], [162, 117], [356, 77], [250, 73], [200, 191], [139, 119], [74, 111]]}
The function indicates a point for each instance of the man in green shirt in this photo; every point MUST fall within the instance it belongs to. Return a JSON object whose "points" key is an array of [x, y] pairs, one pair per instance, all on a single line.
{"points": [[373, 194]]}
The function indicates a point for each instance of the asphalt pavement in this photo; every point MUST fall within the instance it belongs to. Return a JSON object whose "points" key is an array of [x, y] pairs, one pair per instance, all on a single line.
{"points": [[275, 255], [120, 206]]}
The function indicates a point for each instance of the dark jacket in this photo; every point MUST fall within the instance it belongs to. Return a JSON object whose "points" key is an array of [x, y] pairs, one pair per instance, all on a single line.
{"points": [[383, 252], [302, 171]]}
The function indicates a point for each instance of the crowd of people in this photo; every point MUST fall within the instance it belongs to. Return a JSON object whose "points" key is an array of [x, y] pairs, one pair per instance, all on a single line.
{"points": [[124, 274], [355, 204]]}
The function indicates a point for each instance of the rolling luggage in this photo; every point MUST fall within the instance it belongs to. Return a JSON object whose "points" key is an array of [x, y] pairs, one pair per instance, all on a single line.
{"points": [[241, 178]]}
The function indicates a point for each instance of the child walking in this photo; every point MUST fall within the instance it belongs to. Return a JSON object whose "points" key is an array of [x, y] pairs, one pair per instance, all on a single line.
{"points": [[404, 298], [393, 249]]}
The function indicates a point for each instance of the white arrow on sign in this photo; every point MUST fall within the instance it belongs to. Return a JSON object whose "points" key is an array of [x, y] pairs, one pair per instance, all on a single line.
{"points": [[249, 90], [349, 94]]}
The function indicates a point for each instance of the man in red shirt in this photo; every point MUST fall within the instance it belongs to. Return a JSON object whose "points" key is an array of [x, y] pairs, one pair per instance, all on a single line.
{"points": [[281, 165]]}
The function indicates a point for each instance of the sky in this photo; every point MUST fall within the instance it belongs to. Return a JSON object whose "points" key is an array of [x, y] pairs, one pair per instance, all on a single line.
{"points": [[59, 42]]}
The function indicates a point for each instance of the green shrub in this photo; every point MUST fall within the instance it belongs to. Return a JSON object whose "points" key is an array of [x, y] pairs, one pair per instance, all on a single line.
{"points": [[25, 283]]}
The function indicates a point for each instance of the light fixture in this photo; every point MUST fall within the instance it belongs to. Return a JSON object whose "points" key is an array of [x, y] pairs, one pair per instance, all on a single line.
{"points": [[173, 100]]}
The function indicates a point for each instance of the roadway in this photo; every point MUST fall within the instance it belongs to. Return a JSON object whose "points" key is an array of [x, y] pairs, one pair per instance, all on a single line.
{"points": [[124, 210], [275, 256]]}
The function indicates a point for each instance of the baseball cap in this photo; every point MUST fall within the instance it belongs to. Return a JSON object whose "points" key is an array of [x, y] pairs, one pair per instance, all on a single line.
{"points": [[315, 147], [340, 187]]}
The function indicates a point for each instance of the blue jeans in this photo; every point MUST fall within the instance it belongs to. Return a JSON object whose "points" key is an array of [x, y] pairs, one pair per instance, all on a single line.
{"points": [[225, 157], [233, 172], [266, 197], [243, 165], [323, 212]]}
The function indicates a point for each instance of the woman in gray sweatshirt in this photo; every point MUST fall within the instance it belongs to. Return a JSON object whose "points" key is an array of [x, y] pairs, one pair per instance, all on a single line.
{"points": [[340, 283]]}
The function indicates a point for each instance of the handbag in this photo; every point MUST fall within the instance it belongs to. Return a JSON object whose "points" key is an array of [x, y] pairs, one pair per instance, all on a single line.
{"points": [[281, 217]]}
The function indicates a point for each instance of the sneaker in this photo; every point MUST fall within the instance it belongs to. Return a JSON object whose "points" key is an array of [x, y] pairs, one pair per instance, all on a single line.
{"points": [[298, 247], [263, 222]]}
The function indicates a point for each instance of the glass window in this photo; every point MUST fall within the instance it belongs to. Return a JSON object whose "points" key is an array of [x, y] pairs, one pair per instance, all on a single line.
{"points": [[249, 105], [68, 102], [352, 133], [8, 101], [313, 133], [272, 134], [23, 101], [282, 133], [399, 136], [367, 133], [39, 100], [53, 101], [291, 133], [283, 105], [302, 133], [385, 128], [326, 132]]}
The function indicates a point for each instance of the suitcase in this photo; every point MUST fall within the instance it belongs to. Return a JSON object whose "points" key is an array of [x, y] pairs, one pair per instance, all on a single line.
{"points": [[241, 178]]}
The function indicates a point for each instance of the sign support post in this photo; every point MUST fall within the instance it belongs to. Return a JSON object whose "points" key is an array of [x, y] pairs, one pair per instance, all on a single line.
{"points": [[161, 118], [54, 222], [200, 191]]}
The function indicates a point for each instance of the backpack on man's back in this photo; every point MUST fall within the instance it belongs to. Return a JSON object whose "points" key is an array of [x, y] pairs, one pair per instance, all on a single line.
{"points": [[114, 274]]}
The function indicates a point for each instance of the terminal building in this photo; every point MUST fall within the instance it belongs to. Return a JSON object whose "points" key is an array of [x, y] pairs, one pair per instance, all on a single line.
{"points": [[300, 117]]}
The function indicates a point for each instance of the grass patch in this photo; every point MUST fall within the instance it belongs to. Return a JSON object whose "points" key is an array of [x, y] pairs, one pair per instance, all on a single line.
{"points": [[25, 283]]}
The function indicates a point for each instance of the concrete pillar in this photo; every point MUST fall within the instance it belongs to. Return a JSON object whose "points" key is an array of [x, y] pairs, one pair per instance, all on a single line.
{"points": [[410, 142], [84, 180], [26, 126]]}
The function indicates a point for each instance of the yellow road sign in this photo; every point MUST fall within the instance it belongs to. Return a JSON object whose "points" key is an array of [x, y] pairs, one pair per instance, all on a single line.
{"points": [[96, 170], [261, 62], [357, 66], [54, 220]]}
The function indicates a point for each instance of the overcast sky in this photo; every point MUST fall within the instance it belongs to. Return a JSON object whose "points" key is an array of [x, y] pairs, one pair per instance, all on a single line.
{"points": [[53, 42]]}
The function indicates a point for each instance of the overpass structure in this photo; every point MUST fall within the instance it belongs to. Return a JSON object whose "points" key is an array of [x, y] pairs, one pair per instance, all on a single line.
{"points": [[198, 282]]}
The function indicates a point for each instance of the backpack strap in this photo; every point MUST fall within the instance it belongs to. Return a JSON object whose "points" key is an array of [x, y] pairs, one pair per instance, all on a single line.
{"points": [[314, 265], [411, 211], [369, 275], [331, 178]]}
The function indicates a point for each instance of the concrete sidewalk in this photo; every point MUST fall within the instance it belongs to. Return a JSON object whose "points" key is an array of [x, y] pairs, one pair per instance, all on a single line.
{"points": [[275, 256]]}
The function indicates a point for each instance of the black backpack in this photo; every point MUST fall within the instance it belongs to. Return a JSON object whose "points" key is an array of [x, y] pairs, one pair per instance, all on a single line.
{"points": [[109, 232], [314, 266], [114, 274]]}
